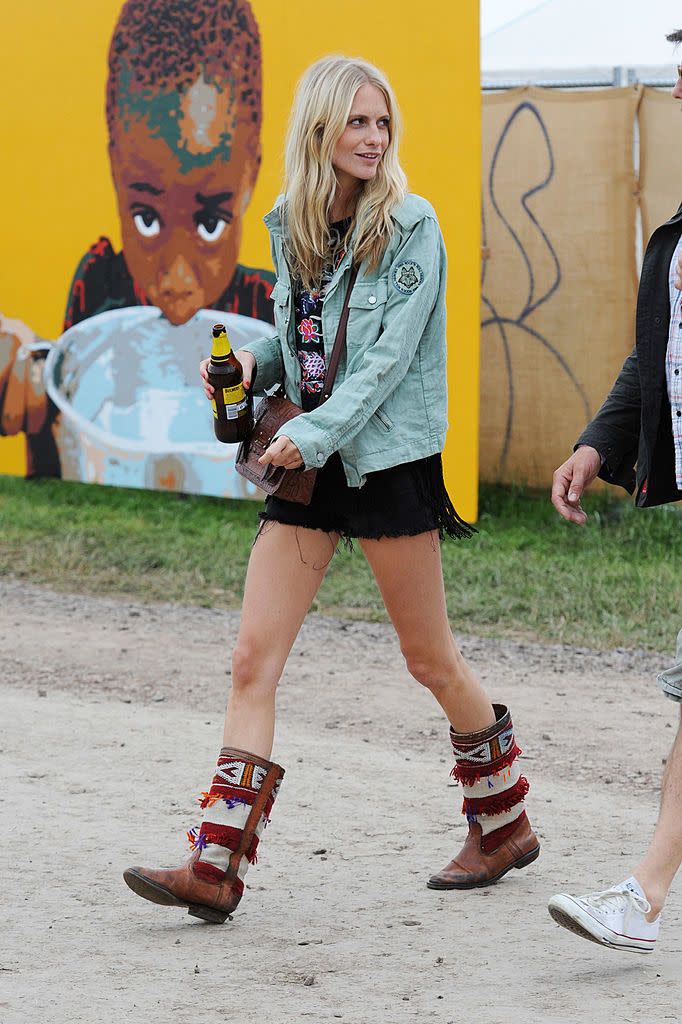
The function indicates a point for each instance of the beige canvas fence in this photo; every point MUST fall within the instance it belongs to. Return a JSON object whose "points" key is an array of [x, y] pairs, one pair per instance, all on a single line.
{"points": [[660, 158], [558, 272]]}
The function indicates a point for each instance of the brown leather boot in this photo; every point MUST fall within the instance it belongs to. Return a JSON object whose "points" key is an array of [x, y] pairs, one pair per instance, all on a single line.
{"points": [[180, 887], [500, 837], [211, 883], [473, 867]]}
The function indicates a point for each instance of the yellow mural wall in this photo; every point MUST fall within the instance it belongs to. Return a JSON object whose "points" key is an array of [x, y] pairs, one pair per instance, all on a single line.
{"points": [[56, 196]]}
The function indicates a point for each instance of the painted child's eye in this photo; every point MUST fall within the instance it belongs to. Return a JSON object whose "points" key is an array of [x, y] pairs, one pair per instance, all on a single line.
{"points": [[210, 228], [147, 223]]}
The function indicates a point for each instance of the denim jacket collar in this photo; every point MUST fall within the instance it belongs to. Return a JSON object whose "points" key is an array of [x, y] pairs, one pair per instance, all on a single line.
{"points": [[407, 213], [275, 225]]}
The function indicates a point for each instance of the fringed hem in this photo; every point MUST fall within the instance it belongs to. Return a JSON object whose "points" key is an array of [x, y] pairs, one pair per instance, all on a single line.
{"points": [[379, 513], [497, 803], [435, 496], [469, 773], [211, 798], [251, 852], [196, 839], [265, 519]]}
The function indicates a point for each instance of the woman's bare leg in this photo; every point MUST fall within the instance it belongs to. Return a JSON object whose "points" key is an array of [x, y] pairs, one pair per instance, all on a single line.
{"points": [[410, 577], [286, 567], [409, 574]]}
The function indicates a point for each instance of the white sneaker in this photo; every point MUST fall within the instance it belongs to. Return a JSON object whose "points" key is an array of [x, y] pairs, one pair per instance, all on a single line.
{"points": [[615, 918]]}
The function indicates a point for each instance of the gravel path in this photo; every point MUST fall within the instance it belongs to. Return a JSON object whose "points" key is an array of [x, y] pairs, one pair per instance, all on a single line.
{"points": [[112, 715]]}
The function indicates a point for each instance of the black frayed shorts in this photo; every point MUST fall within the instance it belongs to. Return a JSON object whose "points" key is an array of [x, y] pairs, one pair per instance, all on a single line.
{"points": [[402, 501]]}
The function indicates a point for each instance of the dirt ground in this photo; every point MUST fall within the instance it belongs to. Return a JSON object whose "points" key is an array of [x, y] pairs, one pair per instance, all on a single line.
{"points": [[112, 715]]}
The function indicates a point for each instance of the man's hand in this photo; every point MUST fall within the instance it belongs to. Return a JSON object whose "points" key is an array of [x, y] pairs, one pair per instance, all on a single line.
{"points": [[571, 479], [282, 452], [248, 362], [678, 273]]}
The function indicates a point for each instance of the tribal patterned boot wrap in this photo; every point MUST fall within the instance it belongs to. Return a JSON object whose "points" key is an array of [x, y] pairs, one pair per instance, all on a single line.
{"points": [[500, 836], [236, 810], [223, 841], [486, 764]]}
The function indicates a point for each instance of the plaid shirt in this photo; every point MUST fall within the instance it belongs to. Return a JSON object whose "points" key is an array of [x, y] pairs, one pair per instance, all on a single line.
{"points": [[673, 363]]}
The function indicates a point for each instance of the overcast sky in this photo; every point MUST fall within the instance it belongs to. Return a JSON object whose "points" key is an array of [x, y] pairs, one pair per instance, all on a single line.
{"points": [[495, 13], [520, 34]]}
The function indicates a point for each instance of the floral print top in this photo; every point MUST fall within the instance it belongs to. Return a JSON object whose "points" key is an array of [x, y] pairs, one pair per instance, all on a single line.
{"points": [[308, 314]]}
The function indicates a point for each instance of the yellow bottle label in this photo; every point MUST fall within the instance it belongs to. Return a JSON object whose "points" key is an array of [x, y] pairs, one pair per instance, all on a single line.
{"points": [[215, 408], [235, 401], [233, 395]]}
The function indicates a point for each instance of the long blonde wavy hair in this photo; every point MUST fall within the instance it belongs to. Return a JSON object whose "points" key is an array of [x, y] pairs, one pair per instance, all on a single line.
{"points": [[322, 104]]}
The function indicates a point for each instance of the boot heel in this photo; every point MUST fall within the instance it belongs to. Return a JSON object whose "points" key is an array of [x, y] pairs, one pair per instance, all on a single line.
{"points": [[207, 913], [528, 858]]}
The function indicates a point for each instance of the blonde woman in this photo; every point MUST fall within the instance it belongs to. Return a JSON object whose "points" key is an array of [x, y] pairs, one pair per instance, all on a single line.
{"points": [[377, 442]]}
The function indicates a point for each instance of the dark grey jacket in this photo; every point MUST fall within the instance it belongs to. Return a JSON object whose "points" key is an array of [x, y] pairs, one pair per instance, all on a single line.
{"points": [[633, 426]]}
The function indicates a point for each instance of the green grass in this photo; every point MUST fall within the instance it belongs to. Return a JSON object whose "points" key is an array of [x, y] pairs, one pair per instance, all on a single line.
{"points": [[616, 582]]}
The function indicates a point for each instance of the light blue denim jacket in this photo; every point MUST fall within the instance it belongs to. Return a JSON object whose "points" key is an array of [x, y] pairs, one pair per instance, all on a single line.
{"points": [[389, 403]]}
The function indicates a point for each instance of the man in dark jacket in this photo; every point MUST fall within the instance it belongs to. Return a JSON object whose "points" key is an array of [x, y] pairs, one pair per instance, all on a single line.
{"points": [[639, 424]]}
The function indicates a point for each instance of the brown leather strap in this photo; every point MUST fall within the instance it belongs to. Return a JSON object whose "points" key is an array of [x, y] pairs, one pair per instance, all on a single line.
{"points": [[339, 341], [272, 776]]}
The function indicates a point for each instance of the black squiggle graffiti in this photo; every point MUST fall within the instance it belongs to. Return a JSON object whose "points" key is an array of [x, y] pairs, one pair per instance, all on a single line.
{"points": [[531, 302]]}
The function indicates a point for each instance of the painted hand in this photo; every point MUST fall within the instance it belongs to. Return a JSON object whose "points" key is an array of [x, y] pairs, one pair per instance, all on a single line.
{"points": [[17, 329], [14, 335]]}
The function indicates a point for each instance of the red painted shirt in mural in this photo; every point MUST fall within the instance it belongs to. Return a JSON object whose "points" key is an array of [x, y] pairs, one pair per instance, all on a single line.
{"points": [[102, 281]]}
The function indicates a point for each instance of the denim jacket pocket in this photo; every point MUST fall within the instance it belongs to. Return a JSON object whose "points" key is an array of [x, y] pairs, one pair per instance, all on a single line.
{"points": [[281, 298], [383, 420], [369, 294], [367, 303]]}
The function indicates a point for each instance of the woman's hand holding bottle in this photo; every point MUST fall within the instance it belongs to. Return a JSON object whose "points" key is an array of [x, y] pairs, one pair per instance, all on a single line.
{"points": [[282, 451], [248, 366]]}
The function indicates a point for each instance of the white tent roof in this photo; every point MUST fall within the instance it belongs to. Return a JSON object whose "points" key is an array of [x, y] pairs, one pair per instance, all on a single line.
{"points": [[522, 34]]}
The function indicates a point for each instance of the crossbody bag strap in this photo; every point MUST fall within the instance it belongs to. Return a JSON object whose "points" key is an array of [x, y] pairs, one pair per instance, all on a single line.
{"points": [[339, 341]]}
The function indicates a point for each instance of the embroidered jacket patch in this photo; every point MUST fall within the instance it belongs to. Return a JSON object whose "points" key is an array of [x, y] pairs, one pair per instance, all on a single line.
{"points": [[407, 277]]}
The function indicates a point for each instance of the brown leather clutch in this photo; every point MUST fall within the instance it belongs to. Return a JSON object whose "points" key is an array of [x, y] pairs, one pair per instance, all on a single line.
{"points": [[291, 484], [272, 413]]}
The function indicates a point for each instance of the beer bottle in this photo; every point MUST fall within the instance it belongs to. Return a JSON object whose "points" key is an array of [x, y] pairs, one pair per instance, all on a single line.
{"points": [[232, 408]]}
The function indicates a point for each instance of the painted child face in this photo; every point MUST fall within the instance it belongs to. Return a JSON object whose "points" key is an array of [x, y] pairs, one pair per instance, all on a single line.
{"points": [[184, 168]]}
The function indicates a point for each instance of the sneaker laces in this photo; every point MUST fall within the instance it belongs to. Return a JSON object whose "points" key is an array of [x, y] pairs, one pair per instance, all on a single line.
{"points": [[618, 899]]}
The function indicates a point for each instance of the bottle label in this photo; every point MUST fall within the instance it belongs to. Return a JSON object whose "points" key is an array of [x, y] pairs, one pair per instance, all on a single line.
{"points": [[234, 395], [235, 401]]}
